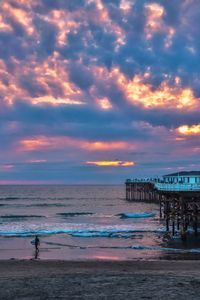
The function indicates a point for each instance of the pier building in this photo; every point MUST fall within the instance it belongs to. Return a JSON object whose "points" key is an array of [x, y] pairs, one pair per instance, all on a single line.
{"points": [[181, 181]]}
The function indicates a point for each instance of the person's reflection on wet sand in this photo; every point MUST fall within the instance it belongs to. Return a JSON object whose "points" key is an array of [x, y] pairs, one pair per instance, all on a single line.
{"points": [[37, 254]]}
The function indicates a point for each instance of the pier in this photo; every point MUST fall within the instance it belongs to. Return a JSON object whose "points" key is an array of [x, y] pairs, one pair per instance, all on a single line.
{"points": [[178, 195], [141, 190], [181, 211]]}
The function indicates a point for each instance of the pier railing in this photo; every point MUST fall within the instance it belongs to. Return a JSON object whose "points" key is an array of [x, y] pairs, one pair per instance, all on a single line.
{"points": [[166, 186], [177, 187]]}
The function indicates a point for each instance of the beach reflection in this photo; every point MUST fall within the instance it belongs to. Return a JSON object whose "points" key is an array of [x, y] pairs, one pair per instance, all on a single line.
{"points": [[36, 255], [106, 257]]}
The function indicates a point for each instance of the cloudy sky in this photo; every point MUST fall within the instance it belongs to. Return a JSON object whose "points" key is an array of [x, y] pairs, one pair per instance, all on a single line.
{"points": [[97, 91]]}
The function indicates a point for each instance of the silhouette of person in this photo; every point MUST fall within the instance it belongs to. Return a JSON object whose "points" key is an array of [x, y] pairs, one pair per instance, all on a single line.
{"points": [[37, 243]]}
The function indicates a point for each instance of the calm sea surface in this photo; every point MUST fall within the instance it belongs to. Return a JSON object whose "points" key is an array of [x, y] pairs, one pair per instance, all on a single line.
{"points": [[82, 222]]}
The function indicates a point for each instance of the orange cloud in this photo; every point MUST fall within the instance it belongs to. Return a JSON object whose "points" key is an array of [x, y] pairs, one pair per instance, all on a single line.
{"points": [[154, 14], [10, 89], [155, 23], [64, 21], [35, 143], [4, 25], [104, 103], [51, 70], [104, 146], [115, 163], [50, 143], [189, 130], [23, 17], [179, 139], [103, 17], [125, 6], [165, 95], [55, 101], [68, 21], [138, 92], [54, 70], [37, 161]]}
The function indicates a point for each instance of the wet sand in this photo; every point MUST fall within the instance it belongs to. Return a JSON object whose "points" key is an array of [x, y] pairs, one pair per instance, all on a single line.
{"points": [[35, 279]]}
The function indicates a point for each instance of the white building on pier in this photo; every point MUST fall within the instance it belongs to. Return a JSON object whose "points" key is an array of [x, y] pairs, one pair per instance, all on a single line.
{"points": [[180, 181]]}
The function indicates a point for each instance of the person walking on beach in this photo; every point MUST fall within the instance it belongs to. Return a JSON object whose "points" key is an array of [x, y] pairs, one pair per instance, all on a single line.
{"points": [[37, 243]]}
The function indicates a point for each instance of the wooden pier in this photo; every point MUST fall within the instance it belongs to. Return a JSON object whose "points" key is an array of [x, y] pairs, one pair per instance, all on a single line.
{"points": [[179, 209], [141, 190]]}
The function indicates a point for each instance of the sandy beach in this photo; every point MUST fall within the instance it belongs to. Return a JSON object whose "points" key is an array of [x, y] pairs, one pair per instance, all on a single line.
{"points": [[35, 279]]}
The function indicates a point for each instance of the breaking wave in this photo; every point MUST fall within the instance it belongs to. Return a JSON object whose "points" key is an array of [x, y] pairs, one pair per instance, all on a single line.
{"points": [[75, 230], [136, 215], [109, 234]]}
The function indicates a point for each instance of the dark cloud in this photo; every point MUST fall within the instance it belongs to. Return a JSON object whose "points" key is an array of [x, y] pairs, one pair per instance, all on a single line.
{"points": [[47, 39], [11, 46], [46, 5], [80, 75], [30, 84]]}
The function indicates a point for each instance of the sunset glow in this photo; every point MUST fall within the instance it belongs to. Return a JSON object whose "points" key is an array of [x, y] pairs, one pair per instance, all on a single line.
{"points": [[111, 163], [140, 93], [105, 146], [104, 103], [88, 85], [43, 142], [189, 130], [37, 161]]}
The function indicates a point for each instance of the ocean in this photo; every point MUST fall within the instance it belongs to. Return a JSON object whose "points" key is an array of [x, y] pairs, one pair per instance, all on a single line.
{"points": [[83, 223]]}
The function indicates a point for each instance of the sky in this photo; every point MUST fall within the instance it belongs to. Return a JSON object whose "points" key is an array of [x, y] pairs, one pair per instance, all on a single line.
{"points": [[97, 91]]}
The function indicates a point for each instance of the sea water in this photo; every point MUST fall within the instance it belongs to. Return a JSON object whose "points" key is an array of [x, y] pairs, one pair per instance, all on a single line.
{"points": [[81, 223]]}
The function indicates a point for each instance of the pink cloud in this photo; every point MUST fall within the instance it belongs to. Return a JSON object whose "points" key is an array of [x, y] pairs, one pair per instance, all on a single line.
{"points": [[60, 142]]}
